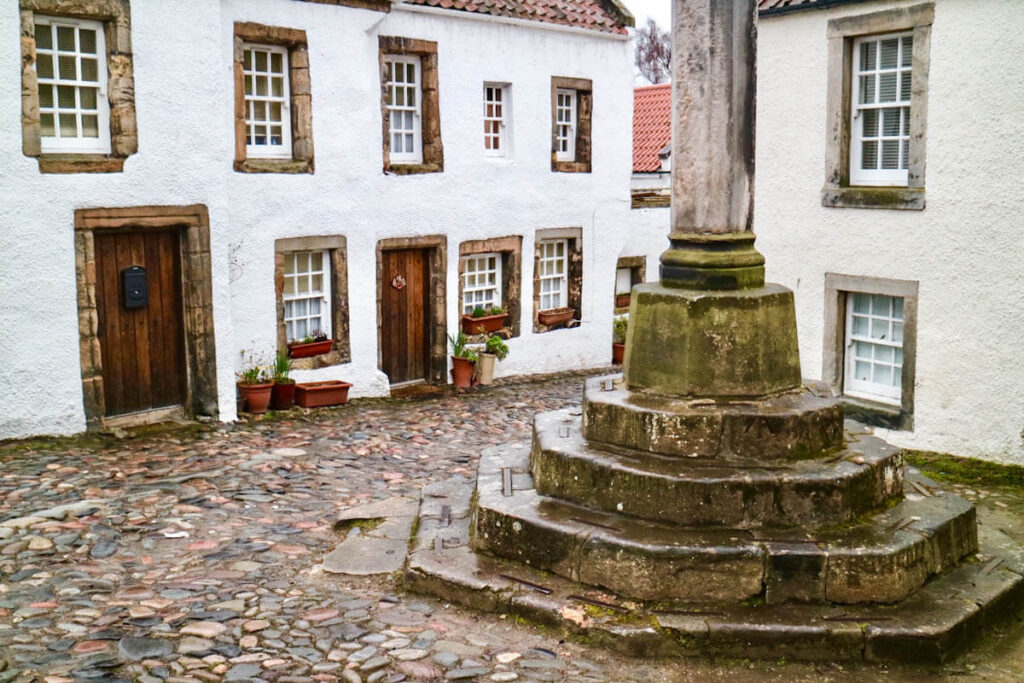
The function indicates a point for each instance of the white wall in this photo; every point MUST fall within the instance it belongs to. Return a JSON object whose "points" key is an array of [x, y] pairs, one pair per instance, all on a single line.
{"points": [[964, 248], [184, 100]]}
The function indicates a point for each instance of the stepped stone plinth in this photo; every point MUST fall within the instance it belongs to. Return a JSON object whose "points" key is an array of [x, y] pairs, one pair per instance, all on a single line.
{"points": [[708, 500]]}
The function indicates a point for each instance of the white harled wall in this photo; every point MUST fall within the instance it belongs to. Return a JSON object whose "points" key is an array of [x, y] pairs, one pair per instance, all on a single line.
{"points": [[184, 100]]}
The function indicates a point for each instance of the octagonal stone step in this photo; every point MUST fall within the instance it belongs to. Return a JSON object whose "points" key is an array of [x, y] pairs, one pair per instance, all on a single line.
{"points": [[795, 426], [704, 492], [881, 559]]}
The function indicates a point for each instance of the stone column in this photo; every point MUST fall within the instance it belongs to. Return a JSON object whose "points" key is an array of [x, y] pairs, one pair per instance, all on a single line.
{"points": [[712, 328]]}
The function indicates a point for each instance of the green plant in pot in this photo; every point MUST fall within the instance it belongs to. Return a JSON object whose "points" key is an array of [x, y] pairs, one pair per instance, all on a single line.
{"points": [[255, 384], [495, 349], [484, 320], [463, 359], [619, 328], [283, 394]]}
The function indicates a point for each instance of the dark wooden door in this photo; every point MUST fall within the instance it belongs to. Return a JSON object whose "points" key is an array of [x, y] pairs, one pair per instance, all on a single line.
{"points": [[142, 349], [405, 317]]}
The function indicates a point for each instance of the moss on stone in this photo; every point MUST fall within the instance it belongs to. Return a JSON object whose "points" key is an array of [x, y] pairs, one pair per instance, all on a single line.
{"points": [[945, 467]]}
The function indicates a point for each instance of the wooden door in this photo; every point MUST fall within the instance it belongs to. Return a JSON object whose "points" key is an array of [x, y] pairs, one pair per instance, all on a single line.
{"points": [[405, 315], [142, 348]]}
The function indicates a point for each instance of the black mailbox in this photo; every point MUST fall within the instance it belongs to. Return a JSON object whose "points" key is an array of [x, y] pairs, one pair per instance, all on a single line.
{"points": [[134, 286]]}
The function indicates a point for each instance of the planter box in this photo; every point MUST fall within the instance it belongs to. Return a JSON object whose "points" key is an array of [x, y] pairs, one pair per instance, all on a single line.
{"points": [[622, 300], [316, 394], [555, 316], [483, 325], [310, 349]]}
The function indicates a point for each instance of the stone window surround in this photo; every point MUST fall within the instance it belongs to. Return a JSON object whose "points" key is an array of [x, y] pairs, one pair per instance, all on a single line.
{"points": [[437, 245], [584, 88], [511, 250], [116, 18], [301, 105], [575, 274], [842, 31], [430, 113], [197, 296], [638, 267], [336, 246], [837, 286]]}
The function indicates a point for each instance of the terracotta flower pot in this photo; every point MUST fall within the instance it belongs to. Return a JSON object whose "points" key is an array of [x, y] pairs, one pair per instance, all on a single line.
{"points": [[310, 349], [316, 394], [618, 353], [462, 372], [622, 301], [555, 316], [283, 395], [257, 396], [484, 324]]}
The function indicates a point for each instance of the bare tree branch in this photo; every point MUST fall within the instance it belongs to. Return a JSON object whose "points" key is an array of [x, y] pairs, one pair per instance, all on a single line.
{"points": [[653, 52]]}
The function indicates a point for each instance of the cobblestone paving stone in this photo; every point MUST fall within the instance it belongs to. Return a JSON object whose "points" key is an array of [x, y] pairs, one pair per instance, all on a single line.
{"points": [[194, 555]]}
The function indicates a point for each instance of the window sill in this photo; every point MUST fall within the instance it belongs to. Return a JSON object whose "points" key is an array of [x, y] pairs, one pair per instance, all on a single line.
{"points": [[412, 169], [324, 360], [878, 414], [650, 200], [570, 166], [274, 166], [80, 163], [896, 198]]}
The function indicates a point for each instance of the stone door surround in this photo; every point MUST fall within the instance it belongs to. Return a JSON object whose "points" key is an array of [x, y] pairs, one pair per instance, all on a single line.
{"points": [[197, 295]]}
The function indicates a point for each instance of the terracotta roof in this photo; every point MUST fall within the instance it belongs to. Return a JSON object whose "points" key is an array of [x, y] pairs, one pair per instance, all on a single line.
{"points": [[652, 125], [609, 16], [783, 6]]}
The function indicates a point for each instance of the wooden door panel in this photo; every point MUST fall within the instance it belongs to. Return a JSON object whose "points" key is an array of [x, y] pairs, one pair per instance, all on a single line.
{"points": [[404, 316], [142, 349]]}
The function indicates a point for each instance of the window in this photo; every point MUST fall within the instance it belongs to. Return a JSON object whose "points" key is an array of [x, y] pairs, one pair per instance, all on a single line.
{"points": [[880, 144], [307, 294], [267, 119], [403, 106], [565, 126], [78, 109], [870, 347], [409, 97], [273, 100], [629, 271], [874, 346], [311, 284], [553, 274], [496, 140], [571, 108], [72, 76], [877, 109], [481, 282]]}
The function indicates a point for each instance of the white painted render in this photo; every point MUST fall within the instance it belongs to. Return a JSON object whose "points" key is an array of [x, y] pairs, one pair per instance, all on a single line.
{"points": [[184, 101]]}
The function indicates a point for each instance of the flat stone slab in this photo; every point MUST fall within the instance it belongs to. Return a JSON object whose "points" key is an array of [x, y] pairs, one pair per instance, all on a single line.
{"points": [[881, 559], [391, 507], [807, 423], [364, 555], [931, 626], [702, 492]]}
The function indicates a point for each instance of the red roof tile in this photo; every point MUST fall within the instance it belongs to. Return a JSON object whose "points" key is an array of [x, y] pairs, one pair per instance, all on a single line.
{"points": [[782, 6], [609, 16], [652, 125]]}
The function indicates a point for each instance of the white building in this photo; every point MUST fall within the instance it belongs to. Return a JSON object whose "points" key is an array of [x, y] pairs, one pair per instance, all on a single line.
{"points": [[277, 166], [888, 174]]}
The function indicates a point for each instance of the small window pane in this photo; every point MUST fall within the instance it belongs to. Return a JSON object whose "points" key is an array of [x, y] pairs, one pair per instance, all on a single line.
{"points": [[908, 51], [277, 84], [68, 126], [883, 374], [905, 86], [897, 308], [870, 123], [87, 41], [275, 62], [90, 70], [44, 66], [891, 122], [46, 123], [867, 56], [889, 53], [248, 84], [66, 96], [869, 155], [860, 325], [879, 328], [316, 260], [261, 84], [46, 96], [44, 37], [862, 370], [261, 60], [275, 111], [68, 68], [66, 38], [861, 302], [88, 96], [890, 154], [90, 126], [887, 87], [259, 111], [897, 333], [247, 60]]}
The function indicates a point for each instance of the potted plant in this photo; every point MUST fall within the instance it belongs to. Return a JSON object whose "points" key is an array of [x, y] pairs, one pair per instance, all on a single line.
{"points": [[255, 385], [313, 344], [283, 393], [332, 392], [619, 327], [496, 349], [463, 359], [484, 320], [555, 316]]}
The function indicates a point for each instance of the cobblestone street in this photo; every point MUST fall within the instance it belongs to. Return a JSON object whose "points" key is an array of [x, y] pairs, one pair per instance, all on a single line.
{"points": [[195, 555]]}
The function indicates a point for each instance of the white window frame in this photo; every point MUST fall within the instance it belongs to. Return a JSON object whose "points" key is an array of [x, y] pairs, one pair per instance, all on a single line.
{"points": [[326, 323], [549, 255], [496, 128], [268, 150], [885, 344], [395, 110], [474, 294], [903, 70], [566, 123], [76, 145]]}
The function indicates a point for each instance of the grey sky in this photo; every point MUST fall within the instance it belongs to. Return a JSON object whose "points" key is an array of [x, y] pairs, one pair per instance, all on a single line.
{"points": [[659, 10]]}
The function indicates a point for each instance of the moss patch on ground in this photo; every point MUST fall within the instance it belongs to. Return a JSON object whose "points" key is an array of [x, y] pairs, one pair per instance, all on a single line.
{"points": [[969, 471]]}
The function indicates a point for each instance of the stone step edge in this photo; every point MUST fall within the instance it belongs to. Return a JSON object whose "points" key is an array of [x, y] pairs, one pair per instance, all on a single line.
{"points": [[987, 594]]}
